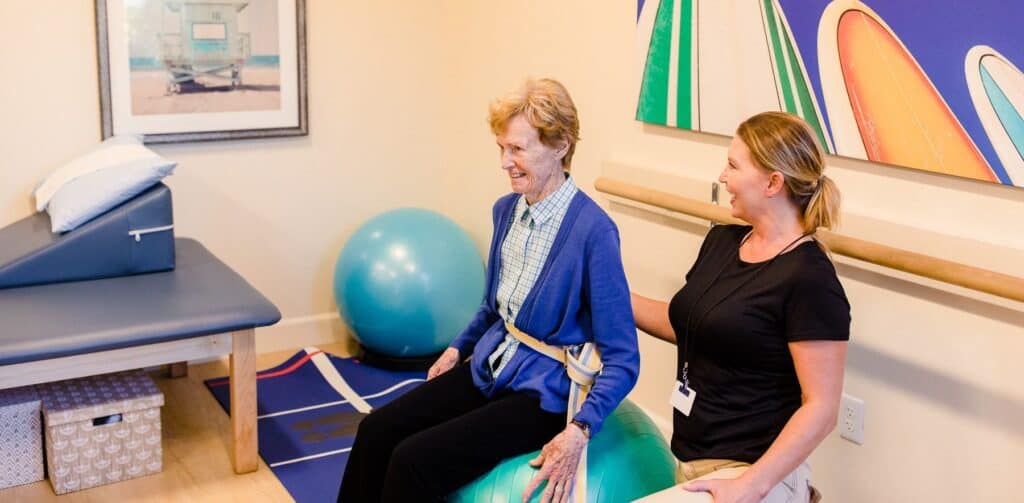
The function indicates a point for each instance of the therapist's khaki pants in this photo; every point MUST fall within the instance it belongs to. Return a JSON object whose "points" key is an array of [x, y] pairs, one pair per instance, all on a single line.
{"points": [[795, 488]]}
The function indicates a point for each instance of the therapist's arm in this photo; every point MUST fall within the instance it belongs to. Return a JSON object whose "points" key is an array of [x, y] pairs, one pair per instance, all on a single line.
{"points": [[819, 368], [652, 317]]}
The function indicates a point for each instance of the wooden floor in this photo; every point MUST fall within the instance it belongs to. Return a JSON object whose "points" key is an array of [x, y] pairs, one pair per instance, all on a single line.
{"points": [[197, 463]]}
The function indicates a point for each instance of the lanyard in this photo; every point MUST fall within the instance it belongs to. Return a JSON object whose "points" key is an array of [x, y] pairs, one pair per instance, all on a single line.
{"points": [[689, 316]]}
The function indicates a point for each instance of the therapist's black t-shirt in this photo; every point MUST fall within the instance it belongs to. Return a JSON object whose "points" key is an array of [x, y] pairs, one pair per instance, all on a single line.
{"points": [[741, 324]]}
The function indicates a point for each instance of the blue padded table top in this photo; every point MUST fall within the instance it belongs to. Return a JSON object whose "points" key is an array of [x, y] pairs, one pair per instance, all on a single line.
{"points": [[201, 296]]}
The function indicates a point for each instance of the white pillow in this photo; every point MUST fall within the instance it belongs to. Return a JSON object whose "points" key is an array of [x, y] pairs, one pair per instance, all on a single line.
{"points": [[115, 171]]}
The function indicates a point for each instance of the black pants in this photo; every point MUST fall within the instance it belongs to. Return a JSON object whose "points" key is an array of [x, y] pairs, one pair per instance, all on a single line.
{"points": [[439, 437]]}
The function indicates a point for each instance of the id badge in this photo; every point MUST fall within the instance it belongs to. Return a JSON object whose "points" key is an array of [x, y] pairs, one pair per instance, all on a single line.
{"points": [[682, 398]]}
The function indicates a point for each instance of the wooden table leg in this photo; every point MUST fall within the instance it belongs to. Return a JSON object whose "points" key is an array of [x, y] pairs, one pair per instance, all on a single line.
{"points": [[178, 369], [243, 401]]}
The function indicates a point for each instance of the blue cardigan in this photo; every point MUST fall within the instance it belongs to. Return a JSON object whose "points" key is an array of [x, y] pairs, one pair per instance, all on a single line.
{"points": [[581, 295]]}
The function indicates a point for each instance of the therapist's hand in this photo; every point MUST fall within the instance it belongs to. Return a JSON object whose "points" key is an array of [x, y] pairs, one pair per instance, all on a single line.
{"points": [[726, 490], [558, 461], [444, 363]]}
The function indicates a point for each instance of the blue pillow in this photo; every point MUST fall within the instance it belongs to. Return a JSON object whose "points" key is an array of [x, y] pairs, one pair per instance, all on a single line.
{"points": [[115, 171]]}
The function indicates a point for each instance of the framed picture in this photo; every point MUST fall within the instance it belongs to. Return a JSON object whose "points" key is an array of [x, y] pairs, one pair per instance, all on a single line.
{"points": [[199, 70]]}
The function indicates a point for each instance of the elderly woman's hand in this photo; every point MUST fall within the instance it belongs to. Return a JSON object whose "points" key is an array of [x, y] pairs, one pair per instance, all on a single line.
{"points": [[444, 363], [558, 461]]}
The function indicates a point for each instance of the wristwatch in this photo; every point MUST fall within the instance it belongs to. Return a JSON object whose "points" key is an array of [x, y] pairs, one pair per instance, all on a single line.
{"points": [[582, 426]]}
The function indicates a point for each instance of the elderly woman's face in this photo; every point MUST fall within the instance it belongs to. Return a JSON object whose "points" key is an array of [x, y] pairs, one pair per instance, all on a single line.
{"points": [[534, 169]]}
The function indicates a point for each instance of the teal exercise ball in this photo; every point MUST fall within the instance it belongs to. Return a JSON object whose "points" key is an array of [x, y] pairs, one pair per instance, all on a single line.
{"points": [[627, 460], [407, 282]]}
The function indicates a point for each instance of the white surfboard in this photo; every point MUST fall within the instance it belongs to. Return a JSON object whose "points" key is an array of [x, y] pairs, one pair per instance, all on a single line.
{"points": [[997, 91]]}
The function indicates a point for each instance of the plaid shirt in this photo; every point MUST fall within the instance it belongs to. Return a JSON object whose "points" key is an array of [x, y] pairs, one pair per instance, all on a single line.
{"points": [[523, 254]]}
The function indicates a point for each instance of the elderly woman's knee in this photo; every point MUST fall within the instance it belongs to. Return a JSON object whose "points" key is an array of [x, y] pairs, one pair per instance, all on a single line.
{"points": [[411, 457], [413, 474], [375, 425]]}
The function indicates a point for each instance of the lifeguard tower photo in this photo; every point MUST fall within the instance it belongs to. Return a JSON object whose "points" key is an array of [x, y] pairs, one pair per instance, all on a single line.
{"points": [[200, 56]]}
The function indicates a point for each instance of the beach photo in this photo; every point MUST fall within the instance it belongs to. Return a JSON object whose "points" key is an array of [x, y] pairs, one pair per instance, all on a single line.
{"points": [[200, 56], [185, 70]]}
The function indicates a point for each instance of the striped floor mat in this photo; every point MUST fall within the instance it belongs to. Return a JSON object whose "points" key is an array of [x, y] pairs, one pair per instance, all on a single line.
{"points": [[309, 408]]}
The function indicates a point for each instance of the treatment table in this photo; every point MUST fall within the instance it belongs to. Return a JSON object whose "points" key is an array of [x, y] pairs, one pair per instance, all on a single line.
{"points": [[201, 309]]}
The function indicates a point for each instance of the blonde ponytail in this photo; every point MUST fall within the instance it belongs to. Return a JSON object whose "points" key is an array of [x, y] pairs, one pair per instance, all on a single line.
{"points": [[785, 143], [823, 206]]}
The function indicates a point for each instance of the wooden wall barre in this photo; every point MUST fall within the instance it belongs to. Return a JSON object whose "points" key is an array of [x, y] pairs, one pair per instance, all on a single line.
{"points": [[982, 280]]}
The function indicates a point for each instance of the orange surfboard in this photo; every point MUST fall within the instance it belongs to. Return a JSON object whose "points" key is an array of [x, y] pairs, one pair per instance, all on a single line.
{"points": [[881, 104]]}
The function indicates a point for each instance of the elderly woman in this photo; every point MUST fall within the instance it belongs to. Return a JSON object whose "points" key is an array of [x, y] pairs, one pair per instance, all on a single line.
{"points": [[761, 327], [556, 290]]}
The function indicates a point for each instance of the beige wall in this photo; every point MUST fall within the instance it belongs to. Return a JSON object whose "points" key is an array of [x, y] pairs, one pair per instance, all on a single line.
{"points": [[398, 96]]}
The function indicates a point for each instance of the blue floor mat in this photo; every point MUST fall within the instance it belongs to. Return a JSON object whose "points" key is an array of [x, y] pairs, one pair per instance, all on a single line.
{"points": [[305, 426]]}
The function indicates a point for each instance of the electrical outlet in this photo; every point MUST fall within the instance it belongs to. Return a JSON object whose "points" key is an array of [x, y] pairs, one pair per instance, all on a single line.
{"points": [[851, 419]]}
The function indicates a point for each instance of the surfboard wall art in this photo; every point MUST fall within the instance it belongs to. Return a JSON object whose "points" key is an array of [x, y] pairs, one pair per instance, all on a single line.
{"points": [[933, 85]]}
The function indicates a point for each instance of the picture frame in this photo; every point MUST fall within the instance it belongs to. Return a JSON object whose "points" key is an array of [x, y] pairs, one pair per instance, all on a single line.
{"points": [[179, 71]]}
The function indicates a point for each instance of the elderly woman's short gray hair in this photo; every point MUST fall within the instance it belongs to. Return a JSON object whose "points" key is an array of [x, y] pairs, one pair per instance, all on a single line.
{"points": [[547, 106]]}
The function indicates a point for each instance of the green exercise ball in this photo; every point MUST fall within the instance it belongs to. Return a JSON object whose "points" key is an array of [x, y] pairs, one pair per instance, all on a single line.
{"points": [[627, 460]]}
